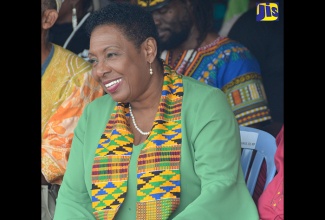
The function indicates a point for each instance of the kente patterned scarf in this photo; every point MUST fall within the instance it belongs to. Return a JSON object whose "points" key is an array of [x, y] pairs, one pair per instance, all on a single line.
{"points": [[158, 169]]}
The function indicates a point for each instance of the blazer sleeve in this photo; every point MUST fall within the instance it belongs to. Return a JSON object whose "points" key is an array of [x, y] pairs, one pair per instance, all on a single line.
{"points": [[216, 141], [73, 200]]}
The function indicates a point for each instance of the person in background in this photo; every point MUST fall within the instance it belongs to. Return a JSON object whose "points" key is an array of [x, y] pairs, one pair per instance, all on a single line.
{"points": [[142, 151], [271, 202], [67, 86], [68, 31], [265, 39], [192, 47]]}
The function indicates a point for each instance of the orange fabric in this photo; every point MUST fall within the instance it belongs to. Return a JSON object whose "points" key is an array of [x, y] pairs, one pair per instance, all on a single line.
{"points": [[67, 87], [271, 202]]}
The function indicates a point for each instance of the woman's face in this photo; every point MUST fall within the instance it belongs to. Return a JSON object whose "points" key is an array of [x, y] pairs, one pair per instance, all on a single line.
{"points": [[120, 68]]}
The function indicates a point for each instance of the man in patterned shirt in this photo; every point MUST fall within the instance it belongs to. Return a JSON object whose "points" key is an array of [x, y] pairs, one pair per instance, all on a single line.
{"points": [[192, 47]]}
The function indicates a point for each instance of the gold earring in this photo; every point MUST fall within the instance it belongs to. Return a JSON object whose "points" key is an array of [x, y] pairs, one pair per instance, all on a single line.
{"points": [[150, 69], [74, 17]]}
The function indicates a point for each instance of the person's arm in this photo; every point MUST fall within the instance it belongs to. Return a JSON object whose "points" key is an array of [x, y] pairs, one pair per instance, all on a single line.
{"points": [[58, 131], [73, 200], [242, 83], [271, 202], [216, 137]]}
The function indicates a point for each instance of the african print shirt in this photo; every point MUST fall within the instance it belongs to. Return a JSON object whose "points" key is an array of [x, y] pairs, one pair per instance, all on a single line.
{"points": [[229, 66]]}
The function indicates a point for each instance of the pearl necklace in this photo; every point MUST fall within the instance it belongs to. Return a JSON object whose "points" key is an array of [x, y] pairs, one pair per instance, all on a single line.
{"points": [[135, 124]]}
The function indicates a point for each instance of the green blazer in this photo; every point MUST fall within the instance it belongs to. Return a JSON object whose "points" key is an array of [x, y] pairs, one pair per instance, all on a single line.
{"points": [[212, 182]]}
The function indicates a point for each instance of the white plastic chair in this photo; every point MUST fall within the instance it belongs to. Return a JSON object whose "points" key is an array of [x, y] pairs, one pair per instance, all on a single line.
{"points": [[264, 144]]}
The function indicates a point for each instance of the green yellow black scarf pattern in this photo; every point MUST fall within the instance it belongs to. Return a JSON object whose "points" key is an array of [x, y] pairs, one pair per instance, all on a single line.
{"points": [[158, 183]]}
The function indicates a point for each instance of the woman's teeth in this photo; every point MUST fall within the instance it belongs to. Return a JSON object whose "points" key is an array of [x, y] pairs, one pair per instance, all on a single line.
{"points": [[113, 83]]}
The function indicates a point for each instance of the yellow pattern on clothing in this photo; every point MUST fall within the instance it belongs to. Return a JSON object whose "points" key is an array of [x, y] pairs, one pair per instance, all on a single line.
{"points": [[67, 86]]}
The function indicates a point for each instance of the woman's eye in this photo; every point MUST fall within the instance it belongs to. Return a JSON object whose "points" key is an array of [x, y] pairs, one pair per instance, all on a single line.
{"points": [[92, 61], [110, 55]]}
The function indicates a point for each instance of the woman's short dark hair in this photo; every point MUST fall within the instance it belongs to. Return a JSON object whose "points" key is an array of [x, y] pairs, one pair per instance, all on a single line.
{"points": [[136, 23]]}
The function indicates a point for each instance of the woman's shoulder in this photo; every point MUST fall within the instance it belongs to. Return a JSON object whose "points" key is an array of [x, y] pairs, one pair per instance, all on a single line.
{"points": [[197, 93], [194, 86], [100, 106], [102, 101]]}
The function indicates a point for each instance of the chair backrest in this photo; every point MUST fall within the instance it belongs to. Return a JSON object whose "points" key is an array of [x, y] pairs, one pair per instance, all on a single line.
{"points": [[264, 145]]}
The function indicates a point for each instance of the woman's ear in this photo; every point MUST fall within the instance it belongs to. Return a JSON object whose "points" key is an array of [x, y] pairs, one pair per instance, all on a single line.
{"points": [[150, 46], [49, 18]]}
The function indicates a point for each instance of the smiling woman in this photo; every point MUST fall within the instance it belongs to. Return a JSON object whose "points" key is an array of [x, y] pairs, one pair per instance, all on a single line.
{"points": [[158, 145]]}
